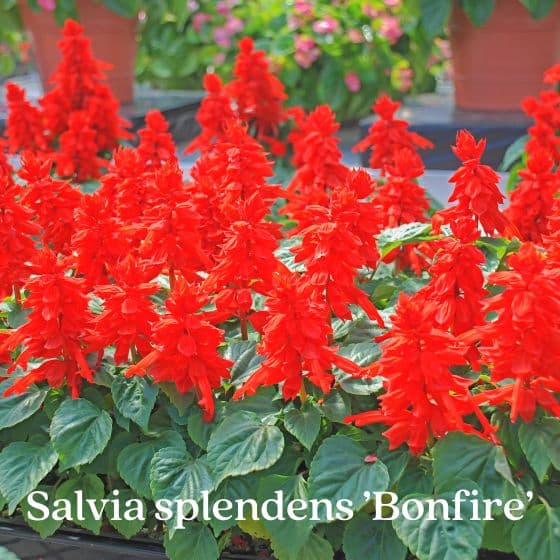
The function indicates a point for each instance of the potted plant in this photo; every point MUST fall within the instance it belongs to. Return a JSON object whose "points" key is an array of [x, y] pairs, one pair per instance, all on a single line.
{"points": [[111, 26], [500, 48]]}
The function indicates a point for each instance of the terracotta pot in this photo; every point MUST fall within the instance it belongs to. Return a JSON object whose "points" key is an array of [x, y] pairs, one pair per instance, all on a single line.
{"points": [[495, 66], [113, 40]]}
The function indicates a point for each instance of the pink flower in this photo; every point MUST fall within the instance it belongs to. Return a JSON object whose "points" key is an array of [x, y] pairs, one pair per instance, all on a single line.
{"points": [[355, 36], [405, 78], [222, 8], [325, 25], [192, 5], [199, 20], [390, 28], [392, 3], [303, 7], [219, 58], [48, 5], [222, 37], [352, 81], [370, 11], [307, 51], [234, 25]]}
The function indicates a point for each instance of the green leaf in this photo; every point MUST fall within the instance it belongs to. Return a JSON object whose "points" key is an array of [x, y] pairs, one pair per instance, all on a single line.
{"points": [[48, 526], [194, 541], [16, 408], [514, 152], [497, 534], [239, 488], [442, 538], [126, 527], [540, 441], [245, 358], [175, 475], [467, 456], [22, 466], [537, 535], [478, 11], [336, 406], [289, 534], [199, 430], [414, 232], [125, 8], [434, 15], [134, 461], [363, 354], [242, 445], [316, 548], [539, 8], [181, 401], [79, 432], [91, 488], [339, 470], [304, 424], [366, 538], [134, 398], [263, 403]]}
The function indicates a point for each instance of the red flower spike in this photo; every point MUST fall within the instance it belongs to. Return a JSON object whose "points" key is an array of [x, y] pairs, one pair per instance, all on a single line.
{"points": [[258, 94], [401, 201], [17, 247], [53, 201], [246, 261], [24, 129], [545, 111], [186, 349], [523, 342], [423, 399], [338, 243], [317, 159], [387, 135], [54, 330], [476, 190], [171, 226], [213, 115], [98, 241], [533, 198], [156, 143], [128, 314], [552, 74], [295, 341]]}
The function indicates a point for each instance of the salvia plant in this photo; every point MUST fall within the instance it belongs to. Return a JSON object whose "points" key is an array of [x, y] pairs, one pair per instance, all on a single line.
{"points": [[222, 337]]}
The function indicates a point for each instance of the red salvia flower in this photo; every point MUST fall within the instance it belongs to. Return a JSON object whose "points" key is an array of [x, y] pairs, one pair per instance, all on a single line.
{"points": [[423, 399], [387, 135], [171, 226], [186, 349], [53, 201], [476, 189], [533, 198], [338, 243], [6, 169], [246, 261], [213, 115], [552, 74], [317, 159], [25, 130], [77, 154], [523, 342], [295, 341], [545, 111], [402, 200], [128, 314], [54, 330], [156, 143], [98, 241], [17, 247], [259, 95]]}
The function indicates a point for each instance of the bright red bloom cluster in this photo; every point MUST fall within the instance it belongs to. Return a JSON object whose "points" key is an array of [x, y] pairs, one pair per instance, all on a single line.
{"points": [[424, 400], [151, 271], [387, 135], [295, 341], [255, 96], [78, 120]]}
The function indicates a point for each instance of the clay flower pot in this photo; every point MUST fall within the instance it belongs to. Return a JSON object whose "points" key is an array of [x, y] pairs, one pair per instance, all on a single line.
{"points": [[113, 39], [495, 66]]}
